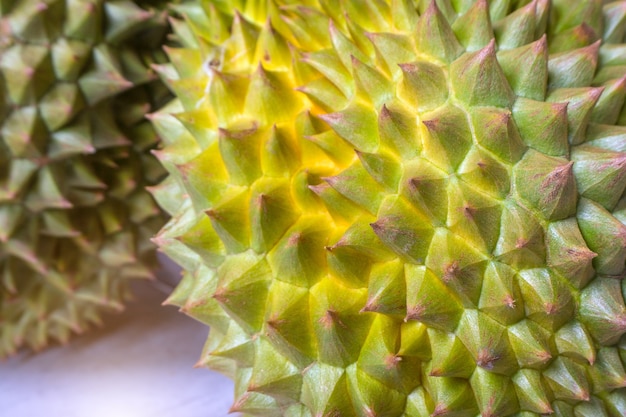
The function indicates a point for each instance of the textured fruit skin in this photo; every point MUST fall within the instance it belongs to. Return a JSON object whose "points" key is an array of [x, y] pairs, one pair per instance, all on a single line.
{"points": [[402, 209], [75, 219]]}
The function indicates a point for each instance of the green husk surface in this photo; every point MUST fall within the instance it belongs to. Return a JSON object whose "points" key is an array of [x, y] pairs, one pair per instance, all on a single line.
{"points": [[75, 219], [402, 208]]}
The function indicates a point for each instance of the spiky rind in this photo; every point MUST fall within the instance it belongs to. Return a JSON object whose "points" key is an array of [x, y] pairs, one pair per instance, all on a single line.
{"points": [[468, 176], [75, 85]]}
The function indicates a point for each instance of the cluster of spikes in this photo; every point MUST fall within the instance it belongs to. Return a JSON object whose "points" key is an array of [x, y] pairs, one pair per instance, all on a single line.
{"points": [[402, 208], [75, 83]]}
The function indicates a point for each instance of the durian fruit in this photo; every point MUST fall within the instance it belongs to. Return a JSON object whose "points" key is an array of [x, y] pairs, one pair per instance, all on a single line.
{"points": [[399, 208], [75, 219]]}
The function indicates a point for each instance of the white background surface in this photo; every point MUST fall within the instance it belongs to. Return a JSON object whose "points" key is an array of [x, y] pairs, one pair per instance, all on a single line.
{"points": [[140, 364]]}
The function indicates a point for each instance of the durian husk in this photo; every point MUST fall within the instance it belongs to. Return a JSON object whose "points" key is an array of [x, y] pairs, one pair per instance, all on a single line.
{"points": [[75, 157], [402, 208]]}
